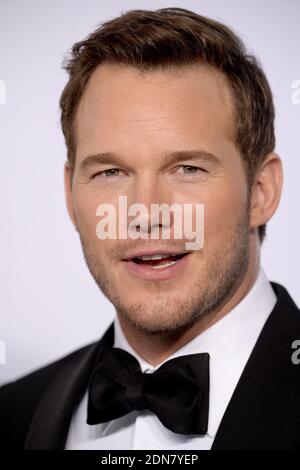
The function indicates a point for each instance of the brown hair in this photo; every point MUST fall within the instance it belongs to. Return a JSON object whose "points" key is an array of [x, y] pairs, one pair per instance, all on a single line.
{"points": [[177, 37]]}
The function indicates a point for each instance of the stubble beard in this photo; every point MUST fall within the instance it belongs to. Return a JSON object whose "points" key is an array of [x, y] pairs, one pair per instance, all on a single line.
{"points": [[167, 313]]}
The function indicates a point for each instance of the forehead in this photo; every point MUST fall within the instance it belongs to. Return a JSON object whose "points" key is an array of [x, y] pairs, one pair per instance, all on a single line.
{"points": [[122, 104]]}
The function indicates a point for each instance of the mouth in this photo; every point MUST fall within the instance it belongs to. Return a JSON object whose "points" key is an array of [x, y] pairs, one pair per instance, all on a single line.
{"points": [[158, 261], [156, 266]]}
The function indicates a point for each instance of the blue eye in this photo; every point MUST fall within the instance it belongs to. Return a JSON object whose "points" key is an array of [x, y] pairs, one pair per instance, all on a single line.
{"points": [[111, 172], [108, 173], [191, 170]]}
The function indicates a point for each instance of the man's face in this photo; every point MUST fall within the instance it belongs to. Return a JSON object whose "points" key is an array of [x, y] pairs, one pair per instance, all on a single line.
{"points": [[141, 118]]}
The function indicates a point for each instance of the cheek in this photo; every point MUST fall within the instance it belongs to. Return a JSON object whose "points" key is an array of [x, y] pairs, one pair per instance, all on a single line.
{"points": [[85, 206], [223, 211]]}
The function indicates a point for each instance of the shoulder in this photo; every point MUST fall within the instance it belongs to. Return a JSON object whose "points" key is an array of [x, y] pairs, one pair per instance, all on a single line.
{"points": [[18, 399], [286, 311]]}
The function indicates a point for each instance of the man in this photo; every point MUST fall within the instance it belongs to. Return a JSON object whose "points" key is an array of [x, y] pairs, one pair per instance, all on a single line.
{"points": [[166, 107]]}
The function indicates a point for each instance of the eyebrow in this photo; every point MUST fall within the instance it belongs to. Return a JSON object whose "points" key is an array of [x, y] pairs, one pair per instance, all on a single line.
{"points": [[174, 157], [99, 158], [170, 158]]}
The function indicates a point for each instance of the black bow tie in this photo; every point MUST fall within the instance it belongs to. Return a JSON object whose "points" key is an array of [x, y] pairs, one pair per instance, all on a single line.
{"points": [[177, 392]]}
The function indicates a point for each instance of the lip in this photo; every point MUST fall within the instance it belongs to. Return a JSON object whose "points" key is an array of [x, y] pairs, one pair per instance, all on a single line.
{"points": [[150, 273], [152, 252]]}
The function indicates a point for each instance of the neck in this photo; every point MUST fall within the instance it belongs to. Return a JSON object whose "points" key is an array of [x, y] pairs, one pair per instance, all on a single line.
{"points": [[156, 348]]}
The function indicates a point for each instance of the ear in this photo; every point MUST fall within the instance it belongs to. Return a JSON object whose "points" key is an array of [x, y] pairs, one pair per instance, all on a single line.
{"points": [[69, 193], [266, 190]]}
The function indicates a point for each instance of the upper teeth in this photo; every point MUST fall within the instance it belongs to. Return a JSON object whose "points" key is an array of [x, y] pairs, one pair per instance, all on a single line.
{"points": [[153, 257]]}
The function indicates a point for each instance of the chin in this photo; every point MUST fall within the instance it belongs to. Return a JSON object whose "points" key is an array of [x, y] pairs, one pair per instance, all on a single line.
{"points": [[155, 320]]}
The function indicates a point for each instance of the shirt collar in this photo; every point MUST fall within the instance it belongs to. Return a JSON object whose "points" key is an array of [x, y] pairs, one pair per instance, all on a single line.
{"points": [[229, 343]]}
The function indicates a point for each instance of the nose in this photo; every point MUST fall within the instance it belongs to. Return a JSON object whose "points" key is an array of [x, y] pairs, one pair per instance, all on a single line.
{"points": [[147, 193]]}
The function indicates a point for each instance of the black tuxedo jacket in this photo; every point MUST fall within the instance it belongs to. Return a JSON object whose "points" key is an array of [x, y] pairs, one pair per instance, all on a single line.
{"points": [[263, 413]]}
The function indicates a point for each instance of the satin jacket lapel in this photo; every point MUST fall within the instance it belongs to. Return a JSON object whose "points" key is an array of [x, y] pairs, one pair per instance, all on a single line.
{"points": [[264, 411], [50, 423]]}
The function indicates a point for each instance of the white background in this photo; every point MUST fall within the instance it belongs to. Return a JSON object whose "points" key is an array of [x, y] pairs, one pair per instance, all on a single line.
{"points": [[49, 304]]}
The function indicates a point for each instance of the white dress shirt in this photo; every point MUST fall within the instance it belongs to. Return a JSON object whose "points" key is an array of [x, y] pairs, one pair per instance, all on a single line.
{"points": [[229, 343]]}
